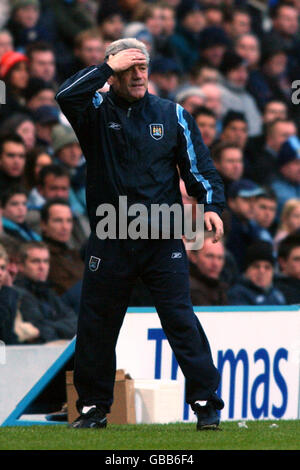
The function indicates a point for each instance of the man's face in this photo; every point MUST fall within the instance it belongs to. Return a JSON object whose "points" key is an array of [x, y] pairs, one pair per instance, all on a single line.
{"points": [[291, 171], [264, 211], [132, 83], [207, 75], [192, 102], [59, 224], [154, 23], [55, 186], [42, 65], [27, 16], [70, 155], [210, 259], [207, 127], [3, 264], [280, 132], [167, 82], [291, 266], [91, 52], [214, 54], [27, 131], [231, 164], [36, 265], [168, 21], [194, 21], [286, 21], [238, 76], [112, 27], [6, 43], [16, 208], [242, 206], [260, 273], [276, 65], [241, 24], [274, 110], [237, 132], [248, 48], [213, 98], [12, 159], [43, 98]]}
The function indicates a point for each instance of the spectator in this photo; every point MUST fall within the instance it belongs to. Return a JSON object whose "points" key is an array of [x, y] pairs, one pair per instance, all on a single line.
{"points": [[13, 329], [288, 279], [38, 302], [6, 42], [46, 117], [14, 210], [263, 167], [88, 49], [213, 44], [42, 62], [206, 120], [37, 159], [25, 25], [22, 125], [289, 221], [12, 248], [256, 287], [264, 212], [241, 233], [190, 98], [234, 94], [110, 21], [206, 265], [214, 15], [66, 265], [237, 22], [68, 154], [247, 46], [164, 73], [235, 129], [274, 109], [203, 73], [14, 73], [228, 160], [12, 161], [39, 93]]}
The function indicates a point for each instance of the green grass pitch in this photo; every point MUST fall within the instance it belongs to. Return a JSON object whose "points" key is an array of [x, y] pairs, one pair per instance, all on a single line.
{"points": [[258, 435]]}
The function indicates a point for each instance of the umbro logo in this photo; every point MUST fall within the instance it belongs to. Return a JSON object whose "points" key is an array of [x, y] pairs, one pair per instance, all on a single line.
{"points": [[176, 254], [114, 125]]}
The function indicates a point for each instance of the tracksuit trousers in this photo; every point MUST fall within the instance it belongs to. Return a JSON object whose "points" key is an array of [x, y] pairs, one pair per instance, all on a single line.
{"points": [[111, 268]]}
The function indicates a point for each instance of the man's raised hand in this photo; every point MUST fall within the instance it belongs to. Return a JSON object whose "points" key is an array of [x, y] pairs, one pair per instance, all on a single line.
{"points": [[125, 59]]}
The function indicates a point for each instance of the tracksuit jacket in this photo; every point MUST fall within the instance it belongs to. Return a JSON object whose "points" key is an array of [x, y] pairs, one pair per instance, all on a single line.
{"points": [[133, 149]]}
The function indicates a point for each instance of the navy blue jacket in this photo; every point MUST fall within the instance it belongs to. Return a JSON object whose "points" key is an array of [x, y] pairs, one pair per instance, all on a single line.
{"points": [[245, 292], [133, 149]]}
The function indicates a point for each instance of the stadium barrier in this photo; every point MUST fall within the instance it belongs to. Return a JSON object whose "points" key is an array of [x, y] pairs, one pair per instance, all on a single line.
{"points": [[256, 349]]}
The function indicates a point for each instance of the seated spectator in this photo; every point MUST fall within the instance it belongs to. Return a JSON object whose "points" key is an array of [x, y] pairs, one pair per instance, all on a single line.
{"points": [[237, 22], [213, 101], [6, 42], [248, 47], [228, 160], [14, 73], [13, 329], [66, 265], [206, 265], [67, 153], [256, 287], [39, 93], [206, 121], [12, 161], [24, 23], [288, 279], [234, 94], [289, 220], [235, 129], [38, 302], [263, 160], [241, 232], [37, 159], [45, 117], [23, 125], [164, 73], [190, 98], [287, 185], [54, 181], [213, 44], [214, 15], [14, 211], [42, 62], [12, 248], [264, 212], [110, 21], [88, 50], [203, 73]]}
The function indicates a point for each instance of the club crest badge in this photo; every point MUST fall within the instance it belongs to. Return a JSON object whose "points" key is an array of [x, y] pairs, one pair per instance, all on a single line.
{"points": [[156, 131], [94, 263]]}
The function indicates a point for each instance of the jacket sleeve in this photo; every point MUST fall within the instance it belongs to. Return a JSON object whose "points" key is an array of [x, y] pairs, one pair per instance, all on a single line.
{"points": [[79, 92], [197, 170]]}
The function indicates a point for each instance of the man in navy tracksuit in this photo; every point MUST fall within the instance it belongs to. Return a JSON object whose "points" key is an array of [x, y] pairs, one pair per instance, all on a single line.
{"points": [[133, 143]]}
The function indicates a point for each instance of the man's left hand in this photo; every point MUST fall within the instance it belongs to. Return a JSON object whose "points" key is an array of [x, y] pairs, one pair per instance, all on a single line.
{"points": [[213, 222]]}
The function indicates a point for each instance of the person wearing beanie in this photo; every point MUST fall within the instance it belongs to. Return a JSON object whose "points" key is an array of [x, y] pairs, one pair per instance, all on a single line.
{"points": [[287, 185], [14, 73], [213, 44], [234, 93], [256, 286]]}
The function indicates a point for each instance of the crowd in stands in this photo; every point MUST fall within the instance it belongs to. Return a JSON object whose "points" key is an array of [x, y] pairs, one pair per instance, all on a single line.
{"points": [[233, 65]]}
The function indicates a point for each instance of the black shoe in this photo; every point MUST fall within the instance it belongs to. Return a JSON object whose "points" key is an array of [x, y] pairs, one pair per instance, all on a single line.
{"points": [[94, 418], [207, 416]]}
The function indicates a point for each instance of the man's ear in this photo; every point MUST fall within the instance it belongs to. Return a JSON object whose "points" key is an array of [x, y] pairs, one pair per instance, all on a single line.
{"points": [[111, 80]]}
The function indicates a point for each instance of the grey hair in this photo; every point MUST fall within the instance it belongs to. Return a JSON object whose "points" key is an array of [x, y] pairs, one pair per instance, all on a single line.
{"points": [[126, 43]]}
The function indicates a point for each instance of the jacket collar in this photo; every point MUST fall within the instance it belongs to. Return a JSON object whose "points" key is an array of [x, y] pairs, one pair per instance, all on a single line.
{"points": [[124, 104]]}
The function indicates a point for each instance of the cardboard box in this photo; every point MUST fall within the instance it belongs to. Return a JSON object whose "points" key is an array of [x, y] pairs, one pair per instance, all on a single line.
{"points": [[123, 407]]}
